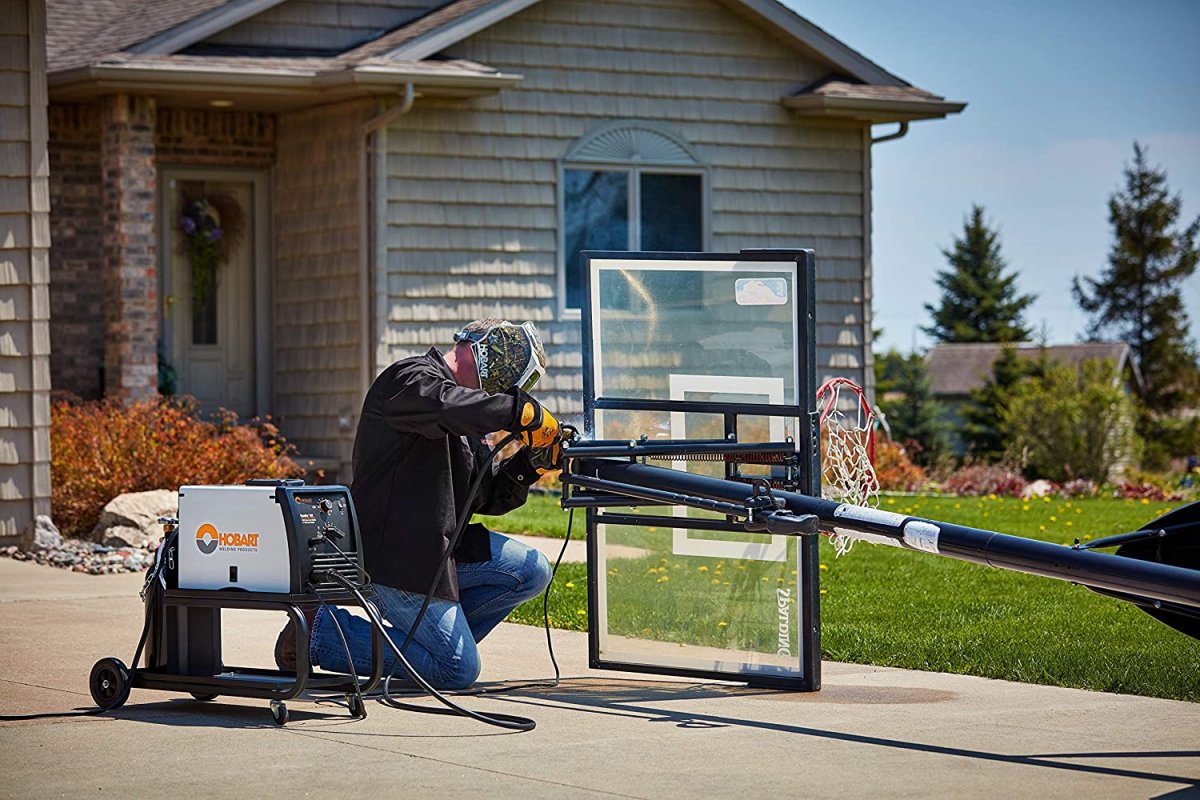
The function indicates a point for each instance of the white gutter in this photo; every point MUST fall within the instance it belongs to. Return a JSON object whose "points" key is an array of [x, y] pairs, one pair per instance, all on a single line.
{"points": [[375, 191]]}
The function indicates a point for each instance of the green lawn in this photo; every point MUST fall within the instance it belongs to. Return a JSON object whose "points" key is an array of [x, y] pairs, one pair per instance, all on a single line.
{"points": [[898, 608]]}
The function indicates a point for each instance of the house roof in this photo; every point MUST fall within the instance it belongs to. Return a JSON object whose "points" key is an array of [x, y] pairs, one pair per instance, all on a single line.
{"points": [[838, 97], [99, 45], [957, 369]]}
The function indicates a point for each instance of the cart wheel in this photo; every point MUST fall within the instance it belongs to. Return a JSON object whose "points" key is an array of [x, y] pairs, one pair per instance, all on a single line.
{"points": [[279, 712], [356, 706], [203, 696], [109, 683]]}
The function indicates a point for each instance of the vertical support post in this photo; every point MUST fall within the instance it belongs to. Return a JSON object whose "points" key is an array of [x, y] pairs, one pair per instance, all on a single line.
{"points": [[130, 270]]}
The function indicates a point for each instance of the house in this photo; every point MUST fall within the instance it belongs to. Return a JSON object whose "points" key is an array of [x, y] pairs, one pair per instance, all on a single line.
{"points": [[384, 170], [956, 370]]}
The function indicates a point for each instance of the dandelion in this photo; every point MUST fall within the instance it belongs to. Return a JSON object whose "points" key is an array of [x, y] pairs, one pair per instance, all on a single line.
{"points": [[1024, 508], [722, 624], [1145, 501], [1046, 499], [1041, 527], [958, 505], [891, 501], [715, 581], [765, 579], [822, 567], [702, 568], [824, 591], [581, 613], [570, 584], [663, 578], [1053, 518], [1070, 524]]}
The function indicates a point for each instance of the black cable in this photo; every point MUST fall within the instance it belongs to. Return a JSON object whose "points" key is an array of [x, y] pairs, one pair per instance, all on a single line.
{"points": [[345, 646], [155, 598], [464, 517], [506, 721]]}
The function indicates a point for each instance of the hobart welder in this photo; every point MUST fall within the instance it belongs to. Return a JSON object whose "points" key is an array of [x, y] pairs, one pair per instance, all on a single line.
{"points": [[267, 545]]}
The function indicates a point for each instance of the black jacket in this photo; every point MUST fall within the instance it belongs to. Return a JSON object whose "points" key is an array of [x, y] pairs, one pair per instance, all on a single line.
{"points": [[416, 452]]}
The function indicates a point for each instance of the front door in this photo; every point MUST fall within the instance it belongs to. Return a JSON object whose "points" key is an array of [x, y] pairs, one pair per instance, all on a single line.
{"points": [[209, 282]]}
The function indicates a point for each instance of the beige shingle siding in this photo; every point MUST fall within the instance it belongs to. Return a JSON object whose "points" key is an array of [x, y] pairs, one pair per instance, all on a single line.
{"points": [[318, 308], [473, 217], [24, 269], [323, 25]]}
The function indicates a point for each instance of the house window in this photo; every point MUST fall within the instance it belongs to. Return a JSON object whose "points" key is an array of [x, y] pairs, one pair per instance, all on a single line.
{"points": [[629, 186]]}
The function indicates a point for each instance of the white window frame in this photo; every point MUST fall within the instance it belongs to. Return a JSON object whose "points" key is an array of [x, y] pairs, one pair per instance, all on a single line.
{"points": [[633, 169]]}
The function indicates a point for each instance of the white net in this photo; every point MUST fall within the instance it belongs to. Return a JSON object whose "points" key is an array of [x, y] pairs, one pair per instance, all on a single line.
{"points": [[847, 450]]}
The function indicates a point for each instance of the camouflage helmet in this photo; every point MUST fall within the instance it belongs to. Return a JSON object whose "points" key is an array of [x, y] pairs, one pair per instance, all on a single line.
{"points": [[506, 354]]}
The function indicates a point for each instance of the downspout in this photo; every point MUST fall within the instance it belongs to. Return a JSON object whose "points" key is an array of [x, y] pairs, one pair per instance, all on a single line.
{"points": [[899, 134], [367, 202], [868, 333]]}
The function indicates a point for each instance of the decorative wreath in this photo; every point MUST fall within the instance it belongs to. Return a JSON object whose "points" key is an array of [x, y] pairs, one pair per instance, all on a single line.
{"points": [[212, 227]]}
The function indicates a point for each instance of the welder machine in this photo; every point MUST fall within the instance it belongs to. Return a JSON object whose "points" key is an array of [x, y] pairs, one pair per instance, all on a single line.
{"points": [[266, 545]]}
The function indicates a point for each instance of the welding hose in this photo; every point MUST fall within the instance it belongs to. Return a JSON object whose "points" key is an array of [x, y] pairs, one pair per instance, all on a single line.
{"points": [[506, 721]]}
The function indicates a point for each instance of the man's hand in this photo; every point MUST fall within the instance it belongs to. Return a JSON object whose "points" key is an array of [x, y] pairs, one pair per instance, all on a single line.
{"points": [[546, 459], [537, 428]]}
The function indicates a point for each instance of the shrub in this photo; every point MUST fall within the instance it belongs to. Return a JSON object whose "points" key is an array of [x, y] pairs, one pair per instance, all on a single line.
{"points": [[1078, 488], [1143, 491], [895, 471], [1071, 423], [103, 449], [980, 479]]}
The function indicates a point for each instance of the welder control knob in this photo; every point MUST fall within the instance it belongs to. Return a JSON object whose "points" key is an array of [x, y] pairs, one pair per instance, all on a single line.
{"points": [[325, 505]]}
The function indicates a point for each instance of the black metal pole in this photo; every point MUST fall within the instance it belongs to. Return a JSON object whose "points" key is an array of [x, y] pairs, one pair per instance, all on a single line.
{"points": [[1146, 579]]}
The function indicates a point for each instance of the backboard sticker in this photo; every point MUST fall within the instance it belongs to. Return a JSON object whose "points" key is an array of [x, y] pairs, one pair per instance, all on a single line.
{"points": [[760, 291], [922, 536], [873, 515]]}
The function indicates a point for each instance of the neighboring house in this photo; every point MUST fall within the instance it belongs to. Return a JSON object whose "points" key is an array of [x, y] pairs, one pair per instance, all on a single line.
{"points": [[955, 370], [399, 167]]}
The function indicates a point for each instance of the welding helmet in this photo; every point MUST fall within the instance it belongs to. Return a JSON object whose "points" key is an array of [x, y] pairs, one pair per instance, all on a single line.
{"points": [[506, 354]]}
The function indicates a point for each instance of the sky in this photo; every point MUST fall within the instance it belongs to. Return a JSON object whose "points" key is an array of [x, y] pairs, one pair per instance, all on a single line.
{"points": [[1057, 93]]}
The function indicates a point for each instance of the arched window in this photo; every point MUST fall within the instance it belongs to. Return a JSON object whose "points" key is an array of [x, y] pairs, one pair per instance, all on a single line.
{"points": [[629, 186]]}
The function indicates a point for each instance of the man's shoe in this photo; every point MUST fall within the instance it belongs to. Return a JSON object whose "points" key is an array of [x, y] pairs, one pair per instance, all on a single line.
{"points": [[285, 645]]}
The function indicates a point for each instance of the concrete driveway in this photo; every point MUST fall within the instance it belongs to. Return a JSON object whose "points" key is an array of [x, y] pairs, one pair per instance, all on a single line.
{"points": [[869, 732]]}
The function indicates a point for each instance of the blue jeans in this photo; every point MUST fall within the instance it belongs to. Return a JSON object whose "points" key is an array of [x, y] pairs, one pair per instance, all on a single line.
{"points": [[444, 648]]}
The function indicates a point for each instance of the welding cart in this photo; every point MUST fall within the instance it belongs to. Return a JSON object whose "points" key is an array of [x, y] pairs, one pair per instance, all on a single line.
{"points": [[269, 545]]}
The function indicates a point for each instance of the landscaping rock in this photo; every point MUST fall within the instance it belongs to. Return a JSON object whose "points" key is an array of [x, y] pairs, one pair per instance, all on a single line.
{"points": [[131, 520], [1039, 488], [41, 535]]}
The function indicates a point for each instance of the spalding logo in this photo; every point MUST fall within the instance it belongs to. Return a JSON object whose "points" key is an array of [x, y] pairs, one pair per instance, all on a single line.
{"points": [[208, 539]]}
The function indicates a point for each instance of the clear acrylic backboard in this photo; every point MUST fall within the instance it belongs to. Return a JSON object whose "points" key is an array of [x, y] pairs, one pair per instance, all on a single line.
{"points": [[702, 347]]}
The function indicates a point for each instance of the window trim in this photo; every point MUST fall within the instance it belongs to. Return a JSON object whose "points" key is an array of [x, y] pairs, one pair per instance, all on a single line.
{"points": [[634, 170]]}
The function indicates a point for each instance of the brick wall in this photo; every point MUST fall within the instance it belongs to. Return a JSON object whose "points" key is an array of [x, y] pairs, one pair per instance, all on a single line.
{"points": [[77, 325], [182, 137], [216, 138]]}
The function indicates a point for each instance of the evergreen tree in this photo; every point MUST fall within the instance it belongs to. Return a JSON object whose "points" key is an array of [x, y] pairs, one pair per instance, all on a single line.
{"points": [[906, 400], [982, 428], [979, 302], [1138, 298]]}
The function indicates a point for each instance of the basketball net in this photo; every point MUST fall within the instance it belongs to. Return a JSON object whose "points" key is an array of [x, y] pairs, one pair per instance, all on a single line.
{"points": [[847, 449]]}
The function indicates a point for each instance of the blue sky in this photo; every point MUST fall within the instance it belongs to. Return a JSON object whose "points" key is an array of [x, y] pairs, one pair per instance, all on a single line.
{"points": [[1057, 93]]}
